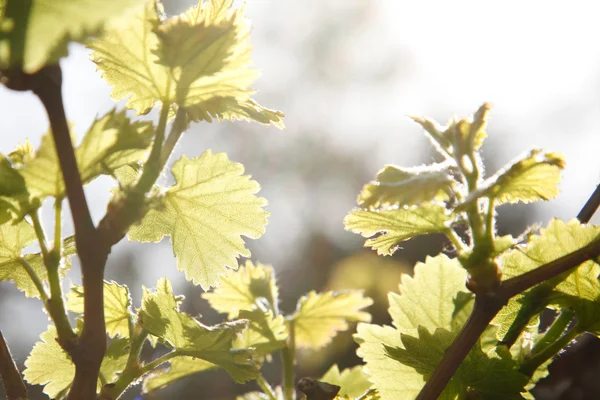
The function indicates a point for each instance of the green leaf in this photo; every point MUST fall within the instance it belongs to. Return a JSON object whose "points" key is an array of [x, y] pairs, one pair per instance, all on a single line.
{"points": [[319, 316], [117, 307], [36, 33], [556, 240], [265, 333], [13, 239], [353, 381], [244, 289], [392, 379], [428, 299], [397, 225], [532, 178], [261, 395], [111, 142], [49, 365], [11, 182], [494, 376], [205, 212], [180, 367], [115, 359], [407, 186], [197, 60], [161, 317]]}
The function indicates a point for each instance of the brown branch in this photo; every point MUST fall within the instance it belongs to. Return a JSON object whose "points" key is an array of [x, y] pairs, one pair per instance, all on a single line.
{"points": [[13, 382], [89, 350], [590, 207]]}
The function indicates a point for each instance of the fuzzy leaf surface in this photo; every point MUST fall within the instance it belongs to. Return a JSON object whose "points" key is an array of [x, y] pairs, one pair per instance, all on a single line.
{"points": [[319, 316], [243, 289], [407, 186], [117, 307], [197, 60], [40, 30], [207, 210], [161, 317], [428, 299], [353, 381], [397, 225]]}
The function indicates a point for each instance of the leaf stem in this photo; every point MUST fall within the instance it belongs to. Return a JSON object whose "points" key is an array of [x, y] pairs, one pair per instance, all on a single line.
{"points": [[456, 240], [40, 234], [532, 364], [57, 245], [177, 129], [36, 280], [555, 331], [13, 381], [288, 354], [266, 388]]}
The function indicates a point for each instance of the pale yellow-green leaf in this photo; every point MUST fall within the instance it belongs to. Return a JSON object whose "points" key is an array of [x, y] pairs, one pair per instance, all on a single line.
{"points": [[429, 298], [243, 290], [207, 210], [353, 381], [392, 379], [117, 307], [532, 178], [35, 33], [407, 186], [319, 316], [161, 317], [115, 359], [397, 225], [198, 60], [49, 365], [179, 367], [265, 333]]}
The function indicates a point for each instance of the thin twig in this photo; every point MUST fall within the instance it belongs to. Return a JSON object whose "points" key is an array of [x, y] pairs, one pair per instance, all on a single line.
{"points": [[13, 382], [590, 207]]}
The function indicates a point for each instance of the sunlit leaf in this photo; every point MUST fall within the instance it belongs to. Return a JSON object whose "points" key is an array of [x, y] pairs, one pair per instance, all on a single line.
{"points": [[397, 225], [180, 367], [243, 290], [197, 60], [49, 365], [319, 316], [407, 186], [207, 210], [117, 307], [161, 317], [115, 359], [265, 333], [353, 381], [36, 32], [428, 299], [532, 178]]}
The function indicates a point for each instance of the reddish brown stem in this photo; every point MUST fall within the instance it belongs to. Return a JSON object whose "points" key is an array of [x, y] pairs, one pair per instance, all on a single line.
{"points": [[13, 382]]}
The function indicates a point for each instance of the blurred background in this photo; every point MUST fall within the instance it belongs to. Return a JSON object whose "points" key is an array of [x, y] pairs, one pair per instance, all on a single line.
{"points": [[347, 73]]}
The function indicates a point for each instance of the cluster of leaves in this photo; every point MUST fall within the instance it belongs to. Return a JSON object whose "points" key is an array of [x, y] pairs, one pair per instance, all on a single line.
{"points": [[453, 198]]}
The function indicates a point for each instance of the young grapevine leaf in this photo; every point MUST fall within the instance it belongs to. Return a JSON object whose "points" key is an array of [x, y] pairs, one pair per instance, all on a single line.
{"points": [[243, 289], [265, 333], [115, 359], [161, 317], [490, 375], [319, 316], [532, 178], [207, 210], [392, 379], [180, 367], [111, 142], [197, 60], [428, 299], [36, 32], [556, 240], [397, 225], [407, 186], [117, 307], [49, 365], [353, 381]]}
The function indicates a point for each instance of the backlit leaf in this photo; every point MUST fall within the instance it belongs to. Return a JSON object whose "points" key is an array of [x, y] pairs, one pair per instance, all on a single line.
{"points": [[197, 60], [205, 213], [397, 225], [180, 367], [319, 316], [115, 359], [36, 32], [161, 317], [243, 289], [117, 307], [353, 381], [407, 186], [265, 333], [428, 299]]}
